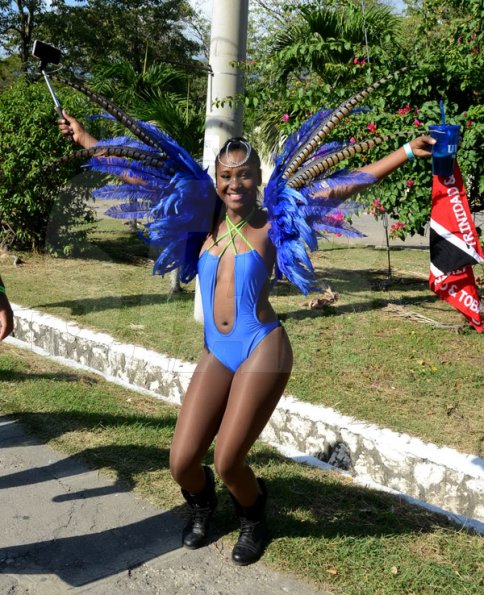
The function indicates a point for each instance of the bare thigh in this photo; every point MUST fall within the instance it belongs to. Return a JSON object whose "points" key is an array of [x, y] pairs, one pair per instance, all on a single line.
{"points": [[199, 420], [255, 391]]}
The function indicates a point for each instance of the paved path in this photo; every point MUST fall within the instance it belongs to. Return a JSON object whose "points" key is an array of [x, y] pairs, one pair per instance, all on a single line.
{"points": [[375, 234], [66, 529]]}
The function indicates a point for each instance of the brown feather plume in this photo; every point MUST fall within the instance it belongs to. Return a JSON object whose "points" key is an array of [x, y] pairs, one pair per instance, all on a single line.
{"points": [[329, 123], [127, 121], [112, 151], [322, 165]]}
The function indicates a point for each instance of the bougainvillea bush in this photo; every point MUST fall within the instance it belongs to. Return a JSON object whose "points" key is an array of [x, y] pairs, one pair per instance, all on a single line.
{"points": [[439, 47]]}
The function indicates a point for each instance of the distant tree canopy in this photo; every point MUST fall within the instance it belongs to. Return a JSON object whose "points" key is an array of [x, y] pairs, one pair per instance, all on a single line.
{"points": [[94, 31], [139, 53], [302, 55]]}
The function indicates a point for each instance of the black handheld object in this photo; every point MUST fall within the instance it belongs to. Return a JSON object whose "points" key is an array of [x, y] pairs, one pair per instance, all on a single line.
{"points": [[48, 54]]}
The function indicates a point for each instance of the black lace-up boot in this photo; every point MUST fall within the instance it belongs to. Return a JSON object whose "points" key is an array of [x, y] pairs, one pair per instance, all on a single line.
{"points": [[202, 504], [252, 537]]}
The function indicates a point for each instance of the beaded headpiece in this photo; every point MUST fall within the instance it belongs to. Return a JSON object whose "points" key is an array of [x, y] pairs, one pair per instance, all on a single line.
{"points": [[231, 162]]}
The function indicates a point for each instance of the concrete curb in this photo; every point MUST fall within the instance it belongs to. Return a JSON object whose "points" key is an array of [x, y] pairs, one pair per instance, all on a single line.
{"points": [[438, 477]]}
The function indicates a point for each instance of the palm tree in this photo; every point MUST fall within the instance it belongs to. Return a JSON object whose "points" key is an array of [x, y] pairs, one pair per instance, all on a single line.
{"points": [[315, 54], [159, 95], [325, 39]]}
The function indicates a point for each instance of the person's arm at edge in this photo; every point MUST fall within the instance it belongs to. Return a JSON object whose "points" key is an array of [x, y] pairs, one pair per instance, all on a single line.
{"points": [[6, 313]]}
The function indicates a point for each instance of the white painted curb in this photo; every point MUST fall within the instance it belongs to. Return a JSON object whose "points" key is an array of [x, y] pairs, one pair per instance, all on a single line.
{"points": [[442, 478]]}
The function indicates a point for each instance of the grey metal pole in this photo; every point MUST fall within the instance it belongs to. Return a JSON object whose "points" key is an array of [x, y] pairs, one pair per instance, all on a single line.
{"points": [[228, 44]]}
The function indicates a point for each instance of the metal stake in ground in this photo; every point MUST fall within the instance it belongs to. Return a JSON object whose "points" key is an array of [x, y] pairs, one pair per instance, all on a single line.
{"points": [[387, 238]]}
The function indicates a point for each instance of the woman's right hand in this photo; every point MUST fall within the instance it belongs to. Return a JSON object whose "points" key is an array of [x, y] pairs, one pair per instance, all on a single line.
{"points": [[71, 128]]}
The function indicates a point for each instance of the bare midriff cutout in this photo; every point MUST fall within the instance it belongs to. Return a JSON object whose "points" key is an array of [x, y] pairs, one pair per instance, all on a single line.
{"points": [[224, 295], [224, 302], [265, 312]]}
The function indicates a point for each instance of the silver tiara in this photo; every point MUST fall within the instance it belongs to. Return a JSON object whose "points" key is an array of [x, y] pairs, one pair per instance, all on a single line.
{"points": [[230, 162]]}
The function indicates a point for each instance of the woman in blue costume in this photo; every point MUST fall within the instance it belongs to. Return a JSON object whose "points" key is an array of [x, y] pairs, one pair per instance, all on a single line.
{"points": [[247, 358]]}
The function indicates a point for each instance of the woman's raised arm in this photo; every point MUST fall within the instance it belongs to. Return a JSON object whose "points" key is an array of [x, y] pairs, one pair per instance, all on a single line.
{"points": [[420, 147]]}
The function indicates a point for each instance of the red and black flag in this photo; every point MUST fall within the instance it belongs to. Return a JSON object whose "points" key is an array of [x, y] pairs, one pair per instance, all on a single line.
{"points": [[454, 247]]}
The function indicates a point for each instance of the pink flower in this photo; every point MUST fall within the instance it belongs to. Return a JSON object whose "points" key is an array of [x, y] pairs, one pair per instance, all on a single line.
{"points": [[417, 123], [285, 118], [352, 140], [410, 183], [397, 229], [371, 127], [416, 110], [404, 110], [356, 60], [469, 123], [363, 62], [377, 206]]}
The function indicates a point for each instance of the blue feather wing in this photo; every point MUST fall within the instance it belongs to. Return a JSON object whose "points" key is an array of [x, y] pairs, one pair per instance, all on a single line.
{"points": [[177, 197], [308, 129], [298, 217]]}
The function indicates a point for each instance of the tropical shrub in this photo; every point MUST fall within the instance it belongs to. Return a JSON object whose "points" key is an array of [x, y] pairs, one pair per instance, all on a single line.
{"points": [[34, 212]]}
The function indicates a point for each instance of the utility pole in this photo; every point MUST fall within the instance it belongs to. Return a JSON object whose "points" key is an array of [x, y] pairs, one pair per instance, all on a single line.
{"points": [[228, 44]]}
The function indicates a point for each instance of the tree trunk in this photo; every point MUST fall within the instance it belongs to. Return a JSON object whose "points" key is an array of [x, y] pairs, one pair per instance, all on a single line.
{"points": [[175, 286]]}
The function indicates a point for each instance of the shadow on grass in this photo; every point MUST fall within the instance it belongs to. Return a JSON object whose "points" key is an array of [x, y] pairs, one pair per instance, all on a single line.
{"points": [[49, 425], [363, 280], [87, 305], [15, 376], [126, 461], [119, 247], [339, 310], [331, 509], [317, 507], [328, 507], [356, 281]]}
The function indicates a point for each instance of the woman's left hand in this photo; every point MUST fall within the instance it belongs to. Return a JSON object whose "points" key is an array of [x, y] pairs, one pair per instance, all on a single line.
{"points": [[422, 146]]}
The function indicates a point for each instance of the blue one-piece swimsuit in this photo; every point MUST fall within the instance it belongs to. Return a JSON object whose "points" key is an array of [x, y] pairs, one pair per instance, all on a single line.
{"points": [[234, 347]]}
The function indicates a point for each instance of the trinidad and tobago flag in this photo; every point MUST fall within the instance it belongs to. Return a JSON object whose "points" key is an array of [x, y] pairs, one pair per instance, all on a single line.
{"points": [[454, 247]]}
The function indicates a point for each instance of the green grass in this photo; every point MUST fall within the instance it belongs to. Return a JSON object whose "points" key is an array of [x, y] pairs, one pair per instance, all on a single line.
{"points": [[352, 356], [324, 529]]}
